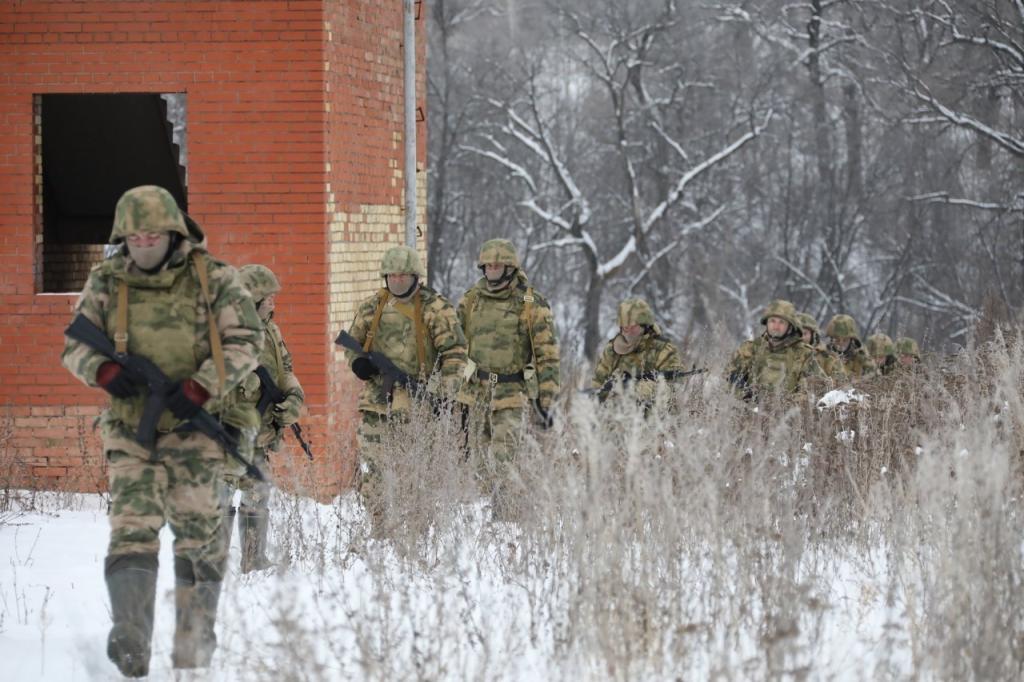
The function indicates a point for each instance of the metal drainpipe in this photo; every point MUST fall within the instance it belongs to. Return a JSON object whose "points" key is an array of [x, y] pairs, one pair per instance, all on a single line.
{"points": [[409, 48]]}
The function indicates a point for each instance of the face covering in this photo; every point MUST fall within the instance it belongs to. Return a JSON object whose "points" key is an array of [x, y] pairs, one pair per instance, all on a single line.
{"points": [[149, 259], [507, 273], [412, 287], [265, 308]]}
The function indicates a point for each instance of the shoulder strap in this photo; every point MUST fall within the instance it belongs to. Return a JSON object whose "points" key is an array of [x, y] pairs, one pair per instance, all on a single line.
{"points": [[121, 331], [383, 296], [421, 335], [275, 337], [527, 315], [199, 262]]}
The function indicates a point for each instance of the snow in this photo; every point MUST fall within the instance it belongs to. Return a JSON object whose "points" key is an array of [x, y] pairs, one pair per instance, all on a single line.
{"points": [[840, 397], [349, 608]]}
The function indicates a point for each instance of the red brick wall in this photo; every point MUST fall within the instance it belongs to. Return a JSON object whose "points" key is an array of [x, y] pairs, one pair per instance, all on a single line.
{"points": [[260, 137]]}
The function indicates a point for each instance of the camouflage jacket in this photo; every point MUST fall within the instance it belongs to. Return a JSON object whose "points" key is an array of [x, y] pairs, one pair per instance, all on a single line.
{"points": [[761, 366], [499, 338], [652, 353], [168, 323], [830, 363], [278, 362], [444, 345], [856, 360]]}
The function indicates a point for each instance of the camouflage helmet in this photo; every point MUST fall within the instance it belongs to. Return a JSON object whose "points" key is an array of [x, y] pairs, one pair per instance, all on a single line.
{"points": [[259, 280], [783, 309], [147, 208], [907, 346], [842, 326], [880, 345], [635, 311], [498, 251], [401, 260], [807, 321]]}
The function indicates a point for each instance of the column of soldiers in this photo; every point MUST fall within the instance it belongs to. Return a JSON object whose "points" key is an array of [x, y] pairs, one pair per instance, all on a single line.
{"points": [[207, 330]]}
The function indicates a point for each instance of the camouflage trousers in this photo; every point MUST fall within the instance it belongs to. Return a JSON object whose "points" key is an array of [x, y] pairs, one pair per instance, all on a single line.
{"points": [[177, 484], [494, 437], [255, 494]]}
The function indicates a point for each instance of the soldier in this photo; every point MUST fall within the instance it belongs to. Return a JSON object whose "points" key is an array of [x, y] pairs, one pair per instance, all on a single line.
{"points": [[274, 376], [907, 351], [829, 361], [513, 357], [844, 340], [638, 354], [164, 298], [417, 329], [777, 361], [883, 351]]}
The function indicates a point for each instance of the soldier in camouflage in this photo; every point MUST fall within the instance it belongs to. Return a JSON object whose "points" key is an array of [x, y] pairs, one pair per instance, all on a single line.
{"points": [[829, 361], [844, 339], [513, 369], [778, 361], [639, 355], [253, 512], [908, 352], [163, 297], [883, 351], [418, 330]]}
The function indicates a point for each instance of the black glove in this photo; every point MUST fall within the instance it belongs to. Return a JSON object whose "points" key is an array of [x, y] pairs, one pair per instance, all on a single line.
{"points": [[183, 405], [364, 369], [118, 381], [545, 419]]}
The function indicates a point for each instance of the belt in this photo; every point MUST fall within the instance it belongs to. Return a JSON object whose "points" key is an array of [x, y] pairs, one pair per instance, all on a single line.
{"points": [[493, 378]]}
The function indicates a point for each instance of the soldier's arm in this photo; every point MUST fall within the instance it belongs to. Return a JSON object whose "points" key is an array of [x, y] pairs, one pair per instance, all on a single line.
{"points": [[603, 368], [287, 411], [77, 357], [360, 326], [240, 329], [668, 358], [545, 348], [449, 341], [739, 364]]}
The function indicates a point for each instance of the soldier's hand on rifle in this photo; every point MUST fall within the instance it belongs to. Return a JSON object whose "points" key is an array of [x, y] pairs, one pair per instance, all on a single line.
{"points": [[118, 381], [545, 419], [287, 411], [186, 398], [364, 369]]}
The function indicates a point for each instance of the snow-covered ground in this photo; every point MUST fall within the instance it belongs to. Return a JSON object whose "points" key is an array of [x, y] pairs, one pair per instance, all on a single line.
{"points": [[349, 608]]}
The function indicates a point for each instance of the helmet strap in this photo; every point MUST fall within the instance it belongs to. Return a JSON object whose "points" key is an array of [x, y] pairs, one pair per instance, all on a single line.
{"points": [[508, 273]]}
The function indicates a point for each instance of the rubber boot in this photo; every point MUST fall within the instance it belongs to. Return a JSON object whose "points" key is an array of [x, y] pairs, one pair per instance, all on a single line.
{"points": [[252, 527], [196, 594], [131, 584]]}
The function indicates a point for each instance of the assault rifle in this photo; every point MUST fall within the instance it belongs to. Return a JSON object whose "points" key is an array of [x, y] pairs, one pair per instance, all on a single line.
{"points": [[271, 394], [389, 371], [653, 375], [159, 385]]}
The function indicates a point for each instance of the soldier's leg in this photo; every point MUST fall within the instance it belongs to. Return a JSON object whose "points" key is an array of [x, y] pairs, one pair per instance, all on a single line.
{"points": [[254, 517], [370, 436], [195, 467], [505, 428], [137, 491], [230, 483]]}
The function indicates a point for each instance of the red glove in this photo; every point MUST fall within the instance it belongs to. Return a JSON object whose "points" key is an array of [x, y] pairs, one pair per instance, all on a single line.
{"points": [[185, 400], [116, 380]]}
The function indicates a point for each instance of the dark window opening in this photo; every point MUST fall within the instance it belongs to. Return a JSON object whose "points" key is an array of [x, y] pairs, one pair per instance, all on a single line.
{"points": [[90, 149]]}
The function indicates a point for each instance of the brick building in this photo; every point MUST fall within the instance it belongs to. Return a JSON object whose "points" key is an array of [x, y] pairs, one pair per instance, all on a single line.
{"points": [[277, 125]]}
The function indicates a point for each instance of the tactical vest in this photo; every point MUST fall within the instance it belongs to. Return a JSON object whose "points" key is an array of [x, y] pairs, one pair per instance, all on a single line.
{"points": [[394, 323], [249, 391], [492, 323], [781, 368], [166, 320]]}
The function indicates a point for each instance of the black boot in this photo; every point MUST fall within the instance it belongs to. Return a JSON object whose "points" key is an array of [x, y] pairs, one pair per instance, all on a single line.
{"points": [[131, 583], [196, 594], [252, 527]]}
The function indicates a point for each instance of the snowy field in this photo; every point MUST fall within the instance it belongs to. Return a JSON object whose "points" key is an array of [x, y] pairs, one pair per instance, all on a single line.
{"points": [[869, 536], [465, 619]]}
